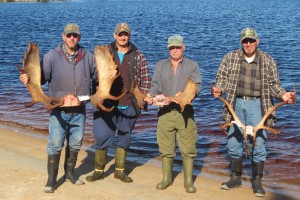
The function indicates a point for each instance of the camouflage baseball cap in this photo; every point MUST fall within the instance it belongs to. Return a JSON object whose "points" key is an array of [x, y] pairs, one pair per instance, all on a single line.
{"points": [[175, 40], [122, 27], [71, 28], [249, 33]]}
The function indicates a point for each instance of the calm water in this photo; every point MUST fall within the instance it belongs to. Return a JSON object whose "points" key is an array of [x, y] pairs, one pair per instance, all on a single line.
{"points": [[210, 29]]}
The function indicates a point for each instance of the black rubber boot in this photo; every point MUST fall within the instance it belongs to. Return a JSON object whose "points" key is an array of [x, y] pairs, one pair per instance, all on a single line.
{"points": [[120, 159], [52, 168], [257, 174], [167, 168], [100, 162], [188, 165], [70, 162], [236, 175]]}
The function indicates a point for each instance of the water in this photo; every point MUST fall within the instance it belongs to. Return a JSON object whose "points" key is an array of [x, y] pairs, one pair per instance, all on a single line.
{"points": [[210, 30]]}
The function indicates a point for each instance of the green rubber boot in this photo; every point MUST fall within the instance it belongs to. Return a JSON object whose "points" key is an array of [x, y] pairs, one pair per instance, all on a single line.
{"points": [[100, 162], [188, 165], [167, 168], [120, 159]]}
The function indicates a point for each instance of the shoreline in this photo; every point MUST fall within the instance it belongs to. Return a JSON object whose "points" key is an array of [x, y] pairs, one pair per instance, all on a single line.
{"points": [[16, 1], [23, 175]]}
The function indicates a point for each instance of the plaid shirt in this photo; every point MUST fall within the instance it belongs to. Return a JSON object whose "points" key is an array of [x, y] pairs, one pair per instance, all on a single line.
{"points": [[143, 73], [228, 76]]}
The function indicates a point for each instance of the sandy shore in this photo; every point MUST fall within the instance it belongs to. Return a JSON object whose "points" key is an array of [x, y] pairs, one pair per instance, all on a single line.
{"points": [[23, 175]]}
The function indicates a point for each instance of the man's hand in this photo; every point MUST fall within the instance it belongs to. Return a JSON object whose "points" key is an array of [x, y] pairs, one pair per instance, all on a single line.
{"points": [[216, 92], [148, 99], [289, 97], [70, 100], [161, 100], [24, 78], [113, 73]]}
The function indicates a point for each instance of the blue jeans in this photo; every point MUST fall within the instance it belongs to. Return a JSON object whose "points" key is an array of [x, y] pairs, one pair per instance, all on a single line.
{"points": [[66, 124], [249, 112], [107, 124]]}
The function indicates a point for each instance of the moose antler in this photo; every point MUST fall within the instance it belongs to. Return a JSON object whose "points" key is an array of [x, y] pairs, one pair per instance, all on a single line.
{"points": [[259, 126], [237, 121], [188, 94], [31, 66], [104, 65], [139, 96]]}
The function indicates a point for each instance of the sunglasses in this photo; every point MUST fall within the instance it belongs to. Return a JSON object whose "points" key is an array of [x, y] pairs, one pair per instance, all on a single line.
{"points": [[75, 35], [245, 41]]}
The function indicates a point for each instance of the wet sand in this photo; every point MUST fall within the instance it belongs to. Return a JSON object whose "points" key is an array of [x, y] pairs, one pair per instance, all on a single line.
{"points": [[23, 175]]}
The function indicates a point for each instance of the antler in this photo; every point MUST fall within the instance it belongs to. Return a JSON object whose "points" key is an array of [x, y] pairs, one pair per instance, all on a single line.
{"points": [[261, 124], [105, 65], [186, 97], [237, 121], [31, 66], [139, 96]]}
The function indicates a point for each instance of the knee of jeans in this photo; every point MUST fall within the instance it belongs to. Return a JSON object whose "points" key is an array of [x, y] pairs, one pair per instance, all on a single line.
{"points": [[51, 150], [235, 149]]}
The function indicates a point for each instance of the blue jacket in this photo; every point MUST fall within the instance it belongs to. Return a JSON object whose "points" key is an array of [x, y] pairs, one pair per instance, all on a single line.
{"points": [[64, 78]]}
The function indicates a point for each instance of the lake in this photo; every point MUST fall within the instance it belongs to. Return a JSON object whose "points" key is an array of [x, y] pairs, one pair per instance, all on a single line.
{"points": [[211, 28]]}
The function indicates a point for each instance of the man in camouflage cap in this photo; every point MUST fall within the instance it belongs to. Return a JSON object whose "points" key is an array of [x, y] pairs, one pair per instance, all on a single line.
{"points": [[249, 77], [132, 65]]}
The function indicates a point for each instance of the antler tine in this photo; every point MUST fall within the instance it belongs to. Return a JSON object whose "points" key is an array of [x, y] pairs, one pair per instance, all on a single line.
{"points": [[261, 124], [236, 119]]}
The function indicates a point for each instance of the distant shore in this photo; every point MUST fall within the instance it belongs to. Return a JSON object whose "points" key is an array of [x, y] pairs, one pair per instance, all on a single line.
{"points": [[7, 1]]}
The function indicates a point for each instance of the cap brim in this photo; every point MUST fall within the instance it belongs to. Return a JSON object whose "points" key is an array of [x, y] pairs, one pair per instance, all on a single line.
{"points": [[67, 32], [175, 45], [254, 38]]}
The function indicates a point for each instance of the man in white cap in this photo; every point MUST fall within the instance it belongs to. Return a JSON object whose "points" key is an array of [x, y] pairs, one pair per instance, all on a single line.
{"points": [[169, 79], [68, 69], [132, 65], [249, 77]]}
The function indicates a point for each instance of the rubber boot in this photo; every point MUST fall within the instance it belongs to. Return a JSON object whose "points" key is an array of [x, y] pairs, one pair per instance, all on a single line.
{"points": [[120, 159], [188, 165], [167, 168], [70, 162], [257, 174], [52, 168], [236, 175], [100, 162]]}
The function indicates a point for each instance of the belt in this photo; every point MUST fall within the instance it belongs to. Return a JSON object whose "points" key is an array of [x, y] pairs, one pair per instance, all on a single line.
{"points": [[246, 98]]}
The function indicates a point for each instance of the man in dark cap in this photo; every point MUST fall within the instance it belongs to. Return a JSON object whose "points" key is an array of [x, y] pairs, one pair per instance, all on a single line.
{"points": [[250, 79], [68, 70], [132, 65]]}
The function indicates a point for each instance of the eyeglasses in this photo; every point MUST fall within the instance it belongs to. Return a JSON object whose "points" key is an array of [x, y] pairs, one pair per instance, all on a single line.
{"points": [[75, 35], [245, 41], [174, 47]]}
